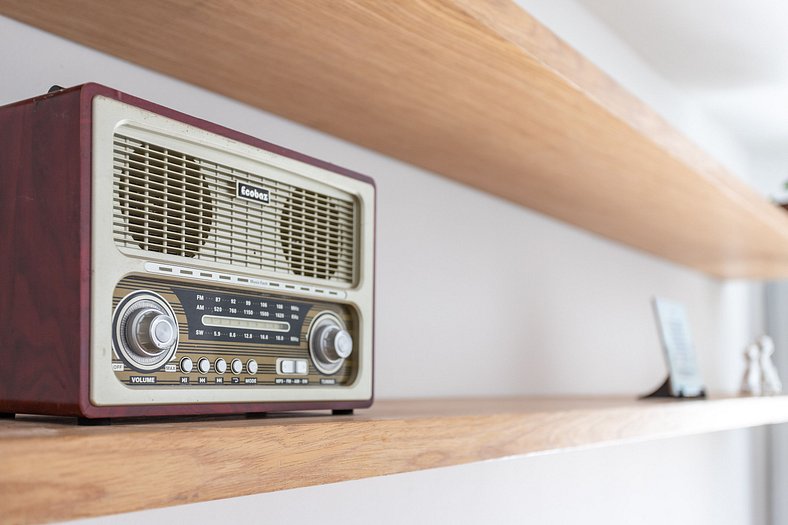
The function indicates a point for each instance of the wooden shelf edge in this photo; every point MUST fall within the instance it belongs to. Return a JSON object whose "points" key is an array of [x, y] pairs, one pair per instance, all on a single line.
{"points": [[476, 91], [55, 470]]}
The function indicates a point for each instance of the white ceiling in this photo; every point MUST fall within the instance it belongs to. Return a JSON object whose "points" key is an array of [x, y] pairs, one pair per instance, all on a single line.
{"points": [[729, 56]]}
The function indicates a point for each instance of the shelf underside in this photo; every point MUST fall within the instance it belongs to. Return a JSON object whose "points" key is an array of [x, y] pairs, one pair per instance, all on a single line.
{"points": [[56, 470], [476, 91]]}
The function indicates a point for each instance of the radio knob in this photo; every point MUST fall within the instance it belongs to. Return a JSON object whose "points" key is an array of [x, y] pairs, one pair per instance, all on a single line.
{"points": [[151, 332], [329, 343], [337, 343], [145, 331]]}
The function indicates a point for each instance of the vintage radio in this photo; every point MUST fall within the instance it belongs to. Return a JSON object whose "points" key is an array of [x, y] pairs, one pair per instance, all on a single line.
{"points": [[156, 264]]}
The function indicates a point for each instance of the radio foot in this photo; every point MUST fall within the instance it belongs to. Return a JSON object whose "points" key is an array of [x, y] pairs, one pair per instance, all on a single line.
{"points": [[7, 415], [342, 412], [87, 422]]}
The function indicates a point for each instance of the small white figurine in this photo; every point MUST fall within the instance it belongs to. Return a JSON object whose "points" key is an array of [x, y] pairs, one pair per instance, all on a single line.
{"points": [[770, 379], [751, 382]]}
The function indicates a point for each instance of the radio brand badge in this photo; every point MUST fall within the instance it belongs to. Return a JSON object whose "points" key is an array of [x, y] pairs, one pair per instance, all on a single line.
{"points": [[252, 193]]}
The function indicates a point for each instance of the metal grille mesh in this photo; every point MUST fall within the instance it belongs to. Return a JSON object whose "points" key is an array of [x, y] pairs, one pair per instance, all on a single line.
{"points": [[169, 202]]}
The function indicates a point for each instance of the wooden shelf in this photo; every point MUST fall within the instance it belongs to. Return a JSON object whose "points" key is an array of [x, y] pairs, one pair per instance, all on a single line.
{"points": [[55, 470], [476, 91]]}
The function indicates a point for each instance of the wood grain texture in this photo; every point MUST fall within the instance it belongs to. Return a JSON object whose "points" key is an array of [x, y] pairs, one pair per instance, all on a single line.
{"points": [[44, 255], [55, 470], [477, 91]]}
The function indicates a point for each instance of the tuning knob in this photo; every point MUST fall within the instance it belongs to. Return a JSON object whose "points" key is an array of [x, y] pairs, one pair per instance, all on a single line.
{"points": [[329, 343], [146, 332]]}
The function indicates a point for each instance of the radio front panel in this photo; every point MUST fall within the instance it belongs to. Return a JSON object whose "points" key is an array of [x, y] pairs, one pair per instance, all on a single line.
{"points": [[225, 272], [227, 337]]}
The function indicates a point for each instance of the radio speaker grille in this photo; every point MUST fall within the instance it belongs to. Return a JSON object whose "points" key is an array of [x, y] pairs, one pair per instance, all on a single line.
{"points": [[169, 202]]}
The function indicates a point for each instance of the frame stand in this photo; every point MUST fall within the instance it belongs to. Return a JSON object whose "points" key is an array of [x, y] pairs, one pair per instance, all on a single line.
{"points": [[664, 391]]}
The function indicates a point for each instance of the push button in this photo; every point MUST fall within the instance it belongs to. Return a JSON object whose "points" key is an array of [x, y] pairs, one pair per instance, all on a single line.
{"points": [[301, 367], [186, 365], [236, 366], [204, 365], [287, 366], [220, 365]]}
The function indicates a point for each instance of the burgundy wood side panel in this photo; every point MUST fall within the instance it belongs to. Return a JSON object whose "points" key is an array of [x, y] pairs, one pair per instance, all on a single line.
{"points": [[43, 313], [45, 258]]}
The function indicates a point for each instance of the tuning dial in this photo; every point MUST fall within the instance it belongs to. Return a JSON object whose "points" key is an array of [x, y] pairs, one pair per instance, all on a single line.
{"points": [[145, 330], [329, 343]]}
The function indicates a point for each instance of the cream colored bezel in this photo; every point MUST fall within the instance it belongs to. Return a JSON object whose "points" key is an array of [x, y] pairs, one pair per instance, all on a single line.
{"points": [[110, 264]]}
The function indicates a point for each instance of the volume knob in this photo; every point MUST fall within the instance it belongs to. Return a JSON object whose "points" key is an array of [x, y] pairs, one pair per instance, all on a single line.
{"points": [[145, 332], [329, 343], [150, 332]]}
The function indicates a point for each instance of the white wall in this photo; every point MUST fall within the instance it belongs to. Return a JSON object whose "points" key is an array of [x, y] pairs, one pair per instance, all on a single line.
{"points": [[777, 314], [541, 308], [583, 31], [770, 167]]}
